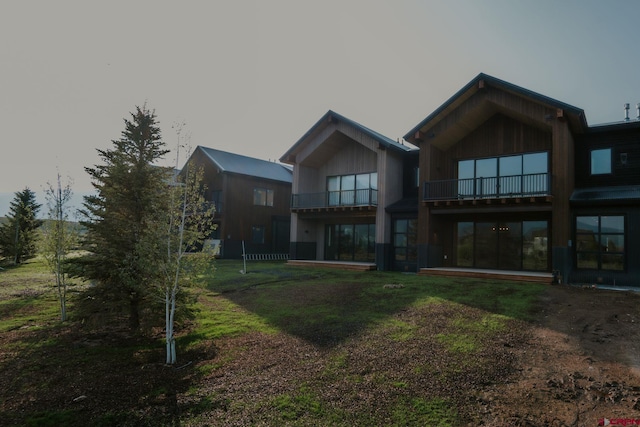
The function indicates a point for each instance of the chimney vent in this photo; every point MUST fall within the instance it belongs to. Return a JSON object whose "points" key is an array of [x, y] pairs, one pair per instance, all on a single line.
{"points": [[626, 112], [638, 111]]}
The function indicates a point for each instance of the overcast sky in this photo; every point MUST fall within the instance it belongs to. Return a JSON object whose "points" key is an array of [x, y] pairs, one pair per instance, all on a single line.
{"points": [[251, 77]]}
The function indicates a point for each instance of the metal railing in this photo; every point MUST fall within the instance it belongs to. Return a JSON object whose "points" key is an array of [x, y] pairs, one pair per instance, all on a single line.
{"points": [[363, 197], [537, 184]]}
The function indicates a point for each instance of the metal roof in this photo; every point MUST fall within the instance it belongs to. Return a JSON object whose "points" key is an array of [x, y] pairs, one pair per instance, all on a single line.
{"points": [[504, 85], [332, 117], [250, 166], [623, 193]]}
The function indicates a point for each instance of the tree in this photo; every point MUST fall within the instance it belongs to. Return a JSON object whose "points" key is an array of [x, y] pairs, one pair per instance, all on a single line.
{"points": [[189, 223], [122, 216], [59, 237], [18, 235]]}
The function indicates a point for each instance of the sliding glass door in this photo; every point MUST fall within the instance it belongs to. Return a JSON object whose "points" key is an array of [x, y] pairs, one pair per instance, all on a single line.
{"points": [[502, 245]]}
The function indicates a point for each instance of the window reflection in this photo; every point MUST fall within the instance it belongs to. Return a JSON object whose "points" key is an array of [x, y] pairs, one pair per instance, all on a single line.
{"points": [[601, 161], [600, 242], [515, 175]]}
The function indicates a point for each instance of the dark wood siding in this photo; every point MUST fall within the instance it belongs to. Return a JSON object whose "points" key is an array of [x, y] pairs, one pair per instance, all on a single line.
{"points": [[241, 214], [625, 141], [238, 214], [498, 136]]}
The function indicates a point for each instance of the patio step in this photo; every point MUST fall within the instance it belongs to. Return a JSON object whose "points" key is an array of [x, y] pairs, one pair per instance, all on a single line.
{"points": [[516, 276], [340, 265]]}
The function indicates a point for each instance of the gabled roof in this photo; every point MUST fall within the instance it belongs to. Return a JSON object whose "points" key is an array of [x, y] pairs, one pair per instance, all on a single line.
{"points": [[576, 114], [238, 164], [331, 117]]}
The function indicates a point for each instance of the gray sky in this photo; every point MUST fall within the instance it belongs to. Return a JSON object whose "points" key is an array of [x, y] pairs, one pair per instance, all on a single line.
{"points": [[251, 77]]}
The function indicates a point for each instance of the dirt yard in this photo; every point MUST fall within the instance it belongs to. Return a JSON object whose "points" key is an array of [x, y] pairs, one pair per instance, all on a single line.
{"points": [[577, 364]]}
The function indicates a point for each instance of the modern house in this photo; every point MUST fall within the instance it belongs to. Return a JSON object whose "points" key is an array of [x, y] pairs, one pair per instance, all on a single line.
{"points": [[606, 205], [251, 197], [504, 181], [515, 181], [344, 175]]}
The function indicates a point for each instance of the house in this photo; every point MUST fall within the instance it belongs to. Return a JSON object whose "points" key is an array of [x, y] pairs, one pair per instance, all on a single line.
{"points": [[606, 205], [504, 182], [344, 176], [251, 199], [512, 180]]}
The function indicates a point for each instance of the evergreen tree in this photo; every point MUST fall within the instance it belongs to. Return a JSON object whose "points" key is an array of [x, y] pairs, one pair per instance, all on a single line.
{"points": [[18, 235], [129, 203]]}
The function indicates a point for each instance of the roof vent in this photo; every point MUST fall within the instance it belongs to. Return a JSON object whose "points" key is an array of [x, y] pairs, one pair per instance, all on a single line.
{"points": [[638, 111], [626, 112]]}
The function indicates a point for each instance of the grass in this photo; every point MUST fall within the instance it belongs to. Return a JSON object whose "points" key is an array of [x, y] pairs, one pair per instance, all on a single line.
{"points": [[334, 312], [333, 305]]}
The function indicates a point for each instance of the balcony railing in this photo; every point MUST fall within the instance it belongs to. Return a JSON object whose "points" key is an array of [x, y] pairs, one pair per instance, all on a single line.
{"points": [[537, 184], [327, 199]]}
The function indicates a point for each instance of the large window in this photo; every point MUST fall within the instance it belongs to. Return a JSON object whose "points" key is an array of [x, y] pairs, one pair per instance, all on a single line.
{"points": [[601, 161], [350, 190], [350, 242], [600, 242], [521, 174], [262, 197], [504, 245], [405, 236]]}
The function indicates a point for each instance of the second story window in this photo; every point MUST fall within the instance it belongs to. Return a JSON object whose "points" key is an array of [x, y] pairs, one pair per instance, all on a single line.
{"points": [[503, 176], [601, 161], [216, 200], [262, 197], [360, 189]]}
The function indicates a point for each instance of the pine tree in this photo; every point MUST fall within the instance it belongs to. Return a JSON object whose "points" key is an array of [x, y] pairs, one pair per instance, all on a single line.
{"points": [[19, 234], [130, 201]]}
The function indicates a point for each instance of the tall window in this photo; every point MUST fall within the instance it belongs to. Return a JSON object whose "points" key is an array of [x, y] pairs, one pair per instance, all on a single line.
{"points": [[405, 236], [521, 174], [514, 245], [350, 242], [216, 200], [356, 189], [262, 197], [601, 161], [600, 242]]}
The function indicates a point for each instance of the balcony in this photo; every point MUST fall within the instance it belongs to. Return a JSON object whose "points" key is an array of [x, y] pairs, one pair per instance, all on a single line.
{"points": [[335, 200], [503, 187]]}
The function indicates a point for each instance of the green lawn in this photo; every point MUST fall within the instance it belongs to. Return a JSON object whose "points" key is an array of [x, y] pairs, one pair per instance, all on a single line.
{"points": [[279, 345]]}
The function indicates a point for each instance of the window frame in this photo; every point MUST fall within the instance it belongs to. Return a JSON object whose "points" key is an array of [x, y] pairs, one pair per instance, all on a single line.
{"points": [[597, 162], [474, 181], [263, 193], [598, 251]]}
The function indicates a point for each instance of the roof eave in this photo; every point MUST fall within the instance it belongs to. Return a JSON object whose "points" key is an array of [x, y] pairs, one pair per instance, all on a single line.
{"points": [[478, 83]]}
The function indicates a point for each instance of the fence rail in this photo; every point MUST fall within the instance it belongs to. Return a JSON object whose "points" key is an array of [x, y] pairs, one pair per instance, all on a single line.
{"points": [[538, 184], [265, 257], [361, 197]]}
